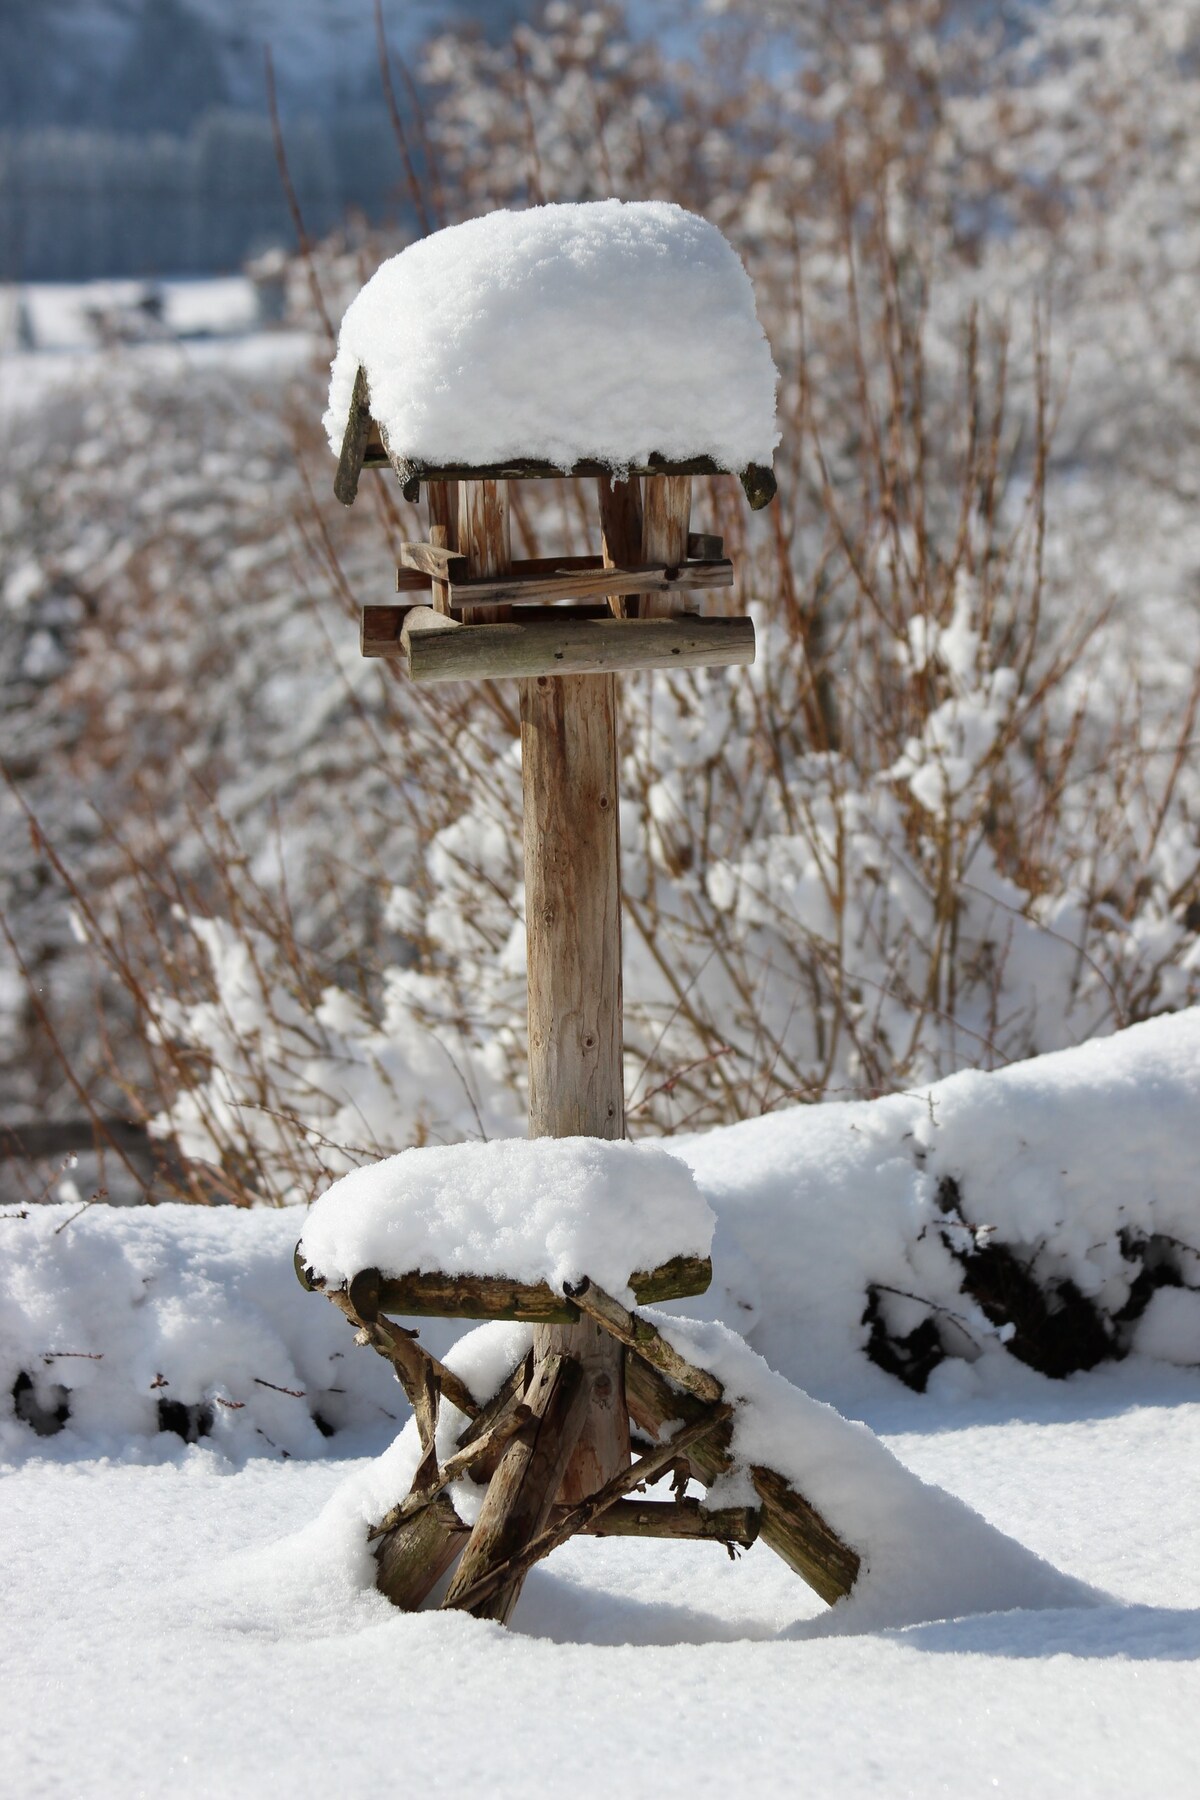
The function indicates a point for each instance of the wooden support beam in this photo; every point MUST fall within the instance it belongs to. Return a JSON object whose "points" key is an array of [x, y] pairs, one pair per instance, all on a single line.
{"points": [[494, 1440], [541, 580], [521, 1492], [644, 1338], [440, 650], [409, 1358], [435, 562], [411, 1560], [704, 546]]}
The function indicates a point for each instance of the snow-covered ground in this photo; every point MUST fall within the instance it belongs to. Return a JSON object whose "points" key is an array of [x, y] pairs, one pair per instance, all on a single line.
{"points": [[194, 1618]]}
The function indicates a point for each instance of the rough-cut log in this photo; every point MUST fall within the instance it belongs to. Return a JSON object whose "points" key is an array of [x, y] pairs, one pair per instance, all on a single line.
{"points": [[411, 1560], [666, 508], [438, 650], [577, 1518], [522, 1491], [790, 1526], [675, 1519], [442, 1296], [409, 1359]]}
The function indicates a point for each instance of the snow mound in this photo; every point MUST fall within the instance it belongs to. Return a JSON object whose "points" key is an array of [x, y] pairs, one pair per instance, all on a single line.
{"points": [[546, 1209], [120, 1325], [610, 331]]}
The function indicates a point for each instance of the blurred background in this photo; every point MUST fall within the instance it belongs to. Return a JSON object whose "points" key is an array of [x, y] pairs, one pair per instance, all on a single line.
{"points": [[261, 900]]}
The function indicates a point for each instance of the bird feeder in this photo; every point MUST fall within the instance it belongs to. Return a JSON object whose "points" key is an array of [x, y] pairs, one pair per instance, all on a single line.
{"points": [[607, 343]]}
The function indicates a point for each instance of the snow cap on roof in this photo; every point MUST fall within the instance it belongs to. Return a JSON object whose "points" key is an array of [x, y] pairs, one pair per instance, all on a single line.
{"points": [[608, 331]]}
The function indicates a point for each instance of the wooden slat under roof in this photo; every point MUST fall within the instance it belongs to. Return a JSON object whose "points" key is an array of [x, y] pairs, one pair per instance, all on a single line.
{"points": [[364, 446]]}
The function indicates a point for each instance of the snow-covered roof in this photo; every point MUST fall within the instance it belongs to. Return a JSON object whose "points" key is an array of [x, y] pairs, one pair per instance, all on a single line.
{"points": [[547, 1209], [612, 333]]}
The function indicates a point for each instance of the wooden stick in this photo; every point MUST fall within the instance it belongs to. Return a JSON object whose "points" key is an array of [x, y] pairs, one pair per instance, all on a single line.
{"points": [[521, 589], [521, 1493], [437, 651], [577, 1518], [411, 1560]]}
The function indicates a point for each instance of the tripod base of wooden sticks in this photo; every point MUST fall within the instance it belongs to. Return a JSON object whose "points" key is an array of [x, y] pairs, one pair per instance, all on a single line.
{"points": [[521, 1441]]}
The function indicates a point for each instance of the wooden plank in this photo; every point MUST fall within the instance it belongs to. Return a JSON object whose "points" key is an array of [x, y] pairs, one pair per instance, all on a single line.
{"points": [[666, 508], [440, 650], [380, 628], [434, 1294], [522, 589], [620, 531], [521, 1492], [355, 442]]}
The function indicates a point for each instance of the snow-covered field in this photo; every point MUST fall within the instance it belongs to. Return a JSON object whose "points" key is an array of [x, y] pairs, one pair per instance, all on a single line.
{"points": [[194, 1618]]}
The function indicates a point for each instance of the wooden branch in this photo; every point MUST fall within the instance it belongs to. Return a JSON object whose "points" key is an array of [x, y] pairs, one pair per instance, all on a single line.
{"points": [[521, 1493], [437, 651], [434, 1294], [646, 1340], [792, 1528], [578, 1518], [675, 1519], [407, 1357], [461, 1463]]}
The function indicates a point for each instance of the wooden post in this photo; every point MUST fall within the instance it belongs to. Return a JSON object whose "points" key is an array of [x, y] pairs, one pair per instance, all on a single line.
{"points": [[667, 511], [484, 537], [573, 933]]}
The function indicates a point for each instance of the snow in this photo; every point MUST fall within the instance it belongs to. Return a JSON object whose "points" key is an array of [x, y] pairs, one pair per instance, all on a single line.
{"points": [[1011, 1620], [550, 1209], [609, 330]]}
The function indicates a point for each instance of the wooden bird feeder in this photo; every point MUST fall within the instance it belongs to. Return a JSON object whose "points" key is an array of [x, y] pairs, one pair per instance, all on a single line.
{"points": [[554, 1444]]}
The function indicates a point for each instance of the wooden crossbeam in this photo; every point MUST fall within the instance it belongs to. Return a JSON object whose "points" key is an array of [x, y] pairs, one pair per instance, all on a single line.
{"points": [[538, 580], [683, 1519]]}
